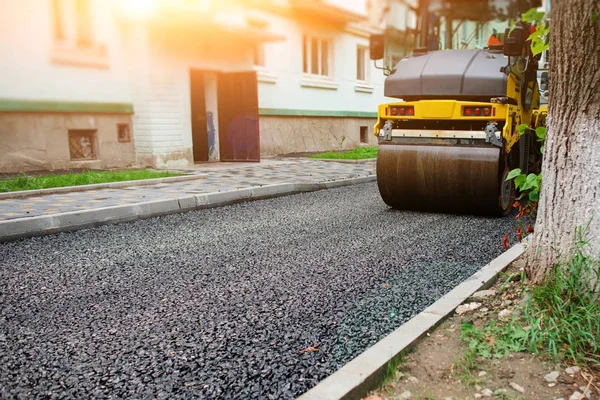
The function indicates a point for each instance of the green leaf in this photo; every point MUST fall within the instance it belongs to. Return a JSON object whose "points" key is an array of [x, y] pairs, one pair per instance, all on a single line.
{"points": [[538, 46], [518, 334], [535, 34], [525, 185], [527, 16], [540, 132], [522, 128], [542, 149], [532, 181], [534, 195], [533, 15], [519, 180], [515, 172], [531, 178]]}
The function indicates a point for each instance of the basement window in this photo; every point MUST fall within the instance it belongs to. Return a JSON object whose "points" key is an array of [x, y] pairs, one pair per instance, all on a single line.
{"points": [[124, 133], [82, 145], [363, 134]]}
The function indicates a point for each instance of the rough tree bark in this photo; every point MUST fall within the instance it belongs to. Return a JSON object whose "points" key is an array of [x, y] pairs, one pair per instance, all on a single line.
{"points": [[570, 194]]}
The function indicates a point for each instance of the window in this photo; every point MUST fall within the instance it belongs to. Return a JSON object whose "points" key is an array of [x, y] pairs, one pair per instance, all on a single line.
{"points": [[73, 24], [362, 64], [82, 144], [84, 23], [316, 55], [74, 38], [123, 133], [363, 134]]}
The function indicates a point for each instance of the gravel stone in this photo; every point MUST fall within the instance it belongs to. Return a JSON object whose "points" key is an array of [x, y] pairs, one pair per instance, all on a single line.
{"points": [[405, 395], [483, 294], [572, 370], [487, 393], [505, 314], [577, 396], [464, 308], [587, 393], [219, 303], [552, 376], [517, 387]]}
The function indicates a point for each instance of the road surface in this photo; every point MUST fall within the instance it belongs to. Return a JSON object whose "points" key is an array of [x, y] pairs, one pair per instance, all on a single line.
{"points": [[220, 303]]}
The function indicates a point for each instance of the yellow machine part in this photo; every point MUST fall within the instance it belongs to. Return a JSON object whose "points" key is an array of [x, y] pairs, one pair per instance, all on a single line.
{"points": [[455, 178]]}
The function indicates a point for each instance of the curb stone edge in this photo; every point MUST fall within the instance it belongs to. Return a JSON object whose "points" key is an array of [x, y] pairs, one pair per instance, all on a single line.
{"points": [[19, 228]]}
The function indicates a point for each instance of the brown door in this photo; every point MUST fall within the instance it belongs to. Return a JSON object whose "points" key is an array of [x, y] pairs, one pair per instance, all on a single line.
{"points": [[239, 138], [199, 127]]}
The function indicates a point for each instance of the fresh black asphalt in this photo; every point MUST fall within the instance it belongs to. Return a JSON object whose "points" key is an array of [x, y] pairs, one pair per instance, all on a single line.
{"points": [[219, 303]]}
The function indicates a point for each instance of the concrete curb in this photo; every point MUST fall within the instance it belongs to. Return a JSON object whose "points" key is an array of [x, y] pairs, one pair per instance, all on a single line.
{"points": [[110, 185], [18, 228], [363, 161], [364, 373]]}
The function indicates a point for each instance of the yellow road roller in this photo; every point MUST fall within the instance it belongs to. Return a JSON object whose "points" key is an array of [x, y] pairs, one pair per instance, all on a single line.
{"points": [[452, 137]]}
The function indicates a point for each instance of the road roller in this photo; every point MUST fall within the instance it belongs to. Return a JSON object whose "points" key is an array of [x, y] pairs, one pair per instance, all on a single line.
{"points": [[452, 137]]}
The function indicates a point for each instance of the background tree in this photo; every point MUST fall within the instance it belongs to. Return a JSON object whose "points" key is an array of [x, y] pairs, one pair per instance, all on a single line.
{"points": [[570, 194]]}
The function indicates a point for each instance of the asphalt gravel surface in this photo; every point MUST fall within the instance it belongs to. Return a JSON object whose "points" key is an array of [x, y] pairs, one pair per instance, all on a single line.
{"points": [[220, 303]]}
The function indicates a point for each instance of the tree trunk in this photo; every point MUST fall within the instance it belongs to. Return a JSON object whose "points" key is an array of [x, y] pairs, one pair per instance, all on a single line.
{"points": [[570, 194]]}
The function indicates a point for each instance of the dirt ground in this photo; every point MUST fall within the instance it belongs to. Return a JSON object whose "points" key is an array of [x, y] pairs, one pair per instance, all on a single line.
{"points": [[439, 366]]}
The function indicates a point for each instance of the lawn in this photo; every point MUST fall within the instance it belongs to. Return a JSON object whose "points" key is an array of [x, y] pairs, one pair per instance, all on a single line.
{"points": [[357, 154], [25, 182]]}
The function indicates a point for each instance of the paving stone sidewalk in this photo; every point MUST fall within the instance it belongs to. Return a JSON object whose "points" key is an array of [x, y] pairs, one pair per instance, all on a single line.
{"points": [[219, 178]]}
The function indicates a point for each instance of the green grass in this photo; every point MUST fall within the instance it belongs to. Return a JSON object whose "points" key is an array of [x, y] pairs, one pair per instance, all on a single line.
{"points": [[560, 318], [564, 312], [25, 182], [359, 153], [465, 367], [392, 372]]}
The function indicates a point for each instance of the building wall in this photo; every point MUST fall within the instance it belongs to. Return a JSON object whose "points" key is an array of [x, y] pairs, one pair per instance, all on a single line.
{"points": [[290, 88], [160, 62], [35, 67], [139, 72], [285, 91], [297, 134], [40, 141], [48, 87]]}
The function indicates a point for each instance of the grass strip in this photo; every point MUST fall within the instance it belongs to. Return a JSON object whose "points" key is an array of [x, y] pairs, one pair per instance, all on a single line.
{"points": [[26, 182], [359, 153]]}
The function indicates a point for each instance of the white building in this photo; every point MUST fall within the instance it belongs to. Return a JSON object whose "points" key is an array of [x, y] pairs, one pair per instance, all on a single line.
{"points": [[166, 83], [64, 93]]}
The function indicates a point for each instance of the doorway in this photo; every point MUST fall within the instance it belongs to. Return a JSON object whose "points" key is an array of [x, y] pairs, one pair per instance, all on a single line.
{"points": [[239, 135], [199, 125]]}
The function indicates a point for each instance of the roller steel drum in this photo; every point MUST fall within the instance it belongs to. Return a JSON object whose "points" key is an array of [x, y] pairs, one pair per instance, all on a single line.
{"points": [[442, 178]]}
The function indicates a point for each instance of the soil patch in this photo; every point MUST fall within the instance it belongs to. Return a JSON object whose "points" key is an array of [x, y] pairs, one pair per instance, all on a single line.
{"points": [[441, 366]]}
